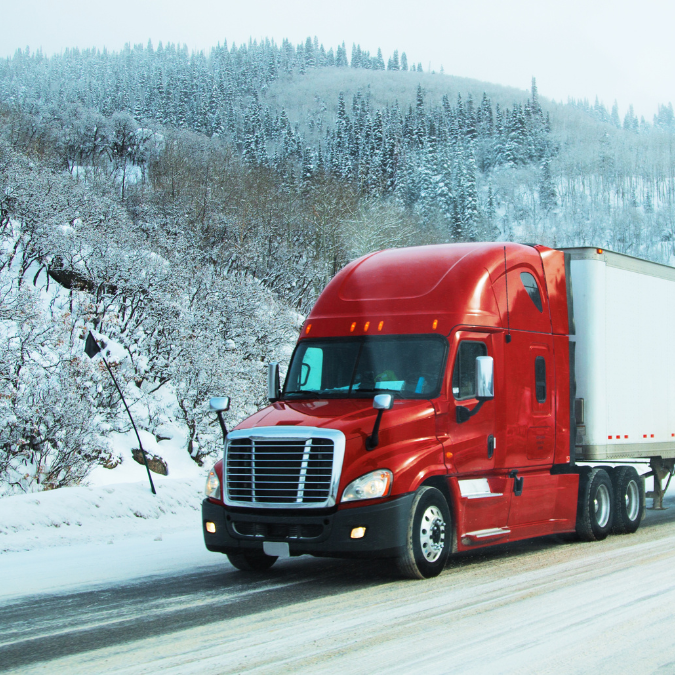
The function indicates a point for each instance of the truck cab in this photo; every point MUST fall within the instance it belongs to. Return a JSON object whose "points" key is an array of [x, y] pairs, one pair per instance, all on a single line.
{"points": [[427, 409]]}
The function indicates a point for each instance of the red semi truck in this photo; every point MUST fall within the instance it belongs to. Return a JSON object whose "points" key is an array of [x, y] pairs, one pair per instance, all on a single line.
{"points": [[441, 399]]}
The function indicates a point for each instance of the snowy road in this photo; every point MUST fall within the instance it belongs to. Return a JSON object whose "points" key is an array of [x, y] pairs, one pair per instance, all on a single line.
{"points": [[543, 606]]}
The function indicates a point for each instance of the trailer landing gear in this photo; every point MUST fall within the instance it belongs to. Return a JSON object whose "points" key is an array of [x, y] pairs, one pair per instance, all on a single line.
{"points": [[660, 469]]}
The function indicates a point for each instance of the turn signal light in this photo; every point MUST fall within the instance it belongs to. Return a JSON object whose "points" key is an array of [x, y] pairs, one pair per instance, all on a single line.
{"points": [[358, 533], [210, 527]]}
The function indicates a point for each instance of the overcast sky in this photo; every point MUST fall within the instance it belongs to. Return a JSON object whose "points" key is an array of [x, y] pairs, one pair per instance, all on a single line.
{"points": [[581, 48]]}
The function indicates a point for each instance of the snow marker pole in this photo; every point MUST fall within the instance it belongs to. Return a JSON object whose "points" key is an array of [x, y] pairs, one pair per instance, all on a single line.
{"points": [[91, 348]]}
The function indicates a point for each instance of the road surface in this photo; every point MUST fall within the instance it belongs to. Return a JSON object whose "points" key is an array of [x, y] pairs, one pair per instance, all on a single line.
{"points": [[542, 606]]}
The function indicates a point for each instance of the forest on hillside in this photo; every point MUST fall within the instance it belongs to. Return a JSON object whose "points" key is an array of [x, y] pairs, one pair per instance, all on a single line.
{"points": [[189, 208]]}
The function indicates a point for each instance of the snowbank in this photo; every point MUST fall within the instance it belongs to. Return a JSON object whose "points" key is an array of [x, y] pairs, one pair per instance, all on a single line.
{"points": [[80, 515]]}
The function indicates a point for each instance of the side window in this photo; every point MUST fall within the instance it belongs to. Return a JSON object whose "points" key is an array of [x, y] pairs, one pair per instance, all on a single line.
{"points": [[464, 373], [532, 289], [310, 371], [540, 379]]}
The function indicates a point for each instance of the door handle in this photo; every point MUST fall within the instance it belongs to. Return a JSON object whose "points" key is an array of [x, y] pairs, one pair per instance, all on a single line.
{"points": [[491, 446]]}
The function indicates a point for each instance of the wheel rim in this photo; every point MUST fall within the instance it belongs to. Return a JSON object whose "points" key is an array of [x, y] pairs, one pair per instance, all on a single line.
{"points": [[601, 506], [632, 500], [432, 534]]}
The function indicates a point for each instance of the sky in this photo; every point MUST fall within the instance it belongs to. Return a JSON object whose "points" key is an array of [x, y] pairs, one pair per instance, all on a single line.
{"points": [[575, 48]]}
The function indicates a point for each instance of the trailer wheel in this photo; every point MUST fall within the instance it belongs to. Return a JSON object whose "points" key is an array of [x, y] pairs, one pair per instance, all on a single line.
{"points": [[428, 537], [252, 561], [629, 493], [595, 506]]}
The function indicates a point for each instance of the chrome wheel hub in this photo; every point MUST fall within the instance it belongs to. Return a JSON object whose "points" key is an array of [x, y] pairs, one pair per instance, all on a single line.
{"points": [[632, 500], [432, 534], [601, 506]]}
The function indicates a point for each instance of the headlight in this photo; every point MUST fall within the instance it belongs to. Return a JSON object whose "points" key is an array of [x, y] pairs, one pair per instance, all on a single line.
{"points": [[212, 485], [371, 486]]}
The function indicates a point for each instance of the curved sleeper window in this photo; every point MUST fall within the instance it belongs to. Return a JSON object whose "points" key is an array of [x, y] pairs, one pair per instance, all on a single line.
{"points": [[532, 289]]}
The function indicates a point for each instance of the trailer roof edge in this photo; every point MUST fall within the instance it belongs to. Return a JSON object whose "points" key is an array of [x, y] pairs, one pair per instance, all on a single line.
{"points": [[622, 261]]}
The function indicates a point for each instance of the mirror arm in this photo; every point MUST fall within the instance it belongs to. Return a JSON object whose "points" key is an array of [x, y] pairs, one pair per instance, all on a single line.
{"points": [[223, 428], [464, 414], [373, 440]]}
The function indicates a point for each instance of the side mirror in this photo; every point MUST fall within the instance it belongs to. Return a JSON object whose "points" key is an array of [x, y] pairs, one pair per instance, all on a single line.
{"points": [[485, 384], [219, 405], [485, 388], [273, 388]]}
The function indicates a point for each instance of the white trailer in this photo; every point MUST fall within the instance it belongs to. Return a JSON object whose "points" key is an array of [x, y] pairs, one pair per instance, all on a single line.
{"points": [[624, 317]]}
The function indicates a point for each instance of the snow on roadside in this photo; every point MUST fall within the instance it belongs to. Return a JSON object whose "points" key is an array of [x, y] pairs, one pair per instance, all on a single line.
{"points": [[80, 515], [86, 537]]}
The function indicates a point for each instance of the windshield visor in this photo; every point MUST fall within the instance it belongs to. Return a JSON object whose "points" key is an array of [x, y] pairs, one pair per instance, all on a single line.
{"points": [[407, 366]]}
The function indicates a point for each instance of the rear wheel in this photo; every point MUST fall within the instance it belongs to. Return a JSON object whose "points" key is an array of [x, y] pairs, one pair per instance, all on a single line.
{"points": [[429, 535], [629, 493], [252, 561], [595, 506]]}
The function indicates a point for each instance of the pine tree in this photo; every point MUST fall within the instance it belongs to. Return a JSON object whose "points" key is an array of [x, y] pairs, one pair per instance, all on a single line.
{"points": [[404, 62], [547, 191]]}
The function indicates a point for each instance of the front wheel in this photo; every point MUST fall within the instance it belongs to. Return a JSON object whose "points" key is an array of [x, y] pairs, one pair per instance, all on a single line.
{"points": [[252, 561], [595, 506], [428, 537]]}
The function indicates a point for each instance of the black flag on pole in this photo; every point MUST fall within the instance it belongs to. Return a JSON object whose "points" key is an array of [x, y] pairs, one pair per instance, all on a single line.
{"points": [[91, 347]]}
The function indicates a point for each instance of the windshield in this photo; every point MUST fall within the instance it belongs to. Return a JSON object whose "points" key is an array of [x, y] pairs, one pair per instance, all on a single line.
{"points": [[408, 366]]}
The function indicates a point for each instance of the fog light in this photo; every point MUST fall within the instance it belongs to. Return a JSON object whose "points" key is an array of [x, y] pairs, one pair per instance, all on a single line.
{"points": [[211, 527], [358, 533]]}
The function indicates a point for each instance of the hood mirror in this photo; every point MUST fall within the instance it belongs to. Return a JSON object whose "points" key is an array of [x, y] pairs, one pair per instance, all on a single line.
{"points": [[219, 405], [381, 402]]}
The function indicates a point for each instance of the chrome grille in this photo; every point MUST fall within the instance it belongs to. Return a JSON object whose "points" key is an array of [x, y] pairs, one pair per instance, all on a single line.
{"points": [[266, 467]]}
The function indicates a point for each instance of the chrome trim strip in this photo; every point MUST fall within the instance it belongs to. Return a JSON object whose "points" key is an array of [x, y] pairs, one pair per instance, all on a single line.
{"points": [[303, 471], [492, 532], [283, 433], [483, 495]]}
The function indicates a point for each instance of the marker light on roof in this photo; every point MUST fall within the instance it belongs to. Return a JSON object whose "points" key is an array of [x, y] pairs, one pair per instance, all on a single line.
{"points": [[309, 327], [367, 326], [599, 250], [379, 325], [435, 324], [353, 326]]}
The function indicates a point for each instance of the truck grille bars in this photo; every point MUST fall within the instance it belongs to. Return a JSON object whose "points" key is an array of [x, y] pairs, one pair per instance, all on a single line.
{"points": [[281, 467]]}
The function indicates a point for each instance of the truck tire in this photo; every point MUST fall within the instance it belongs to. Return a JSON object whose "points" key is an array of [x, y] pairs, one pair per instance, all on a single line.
{"points": [[252, 561], [429, 535], [629, 493], [595, 506]]}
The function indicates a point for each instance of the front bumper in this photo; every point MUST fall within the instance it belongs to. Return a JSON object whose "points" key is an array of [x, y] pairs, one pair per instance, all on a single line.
{"points": [[320, 535]]}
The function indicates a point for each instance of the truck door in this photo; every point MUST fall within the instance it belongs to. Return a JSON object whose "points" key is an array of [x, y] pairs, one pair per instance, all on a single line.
{"points": [[530, 406], [474, 444]]}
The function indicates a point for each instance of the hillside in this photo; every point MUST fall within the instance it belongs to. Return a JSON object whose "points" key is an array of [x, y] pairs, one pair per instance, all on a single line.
{"points": [[189, 208]]}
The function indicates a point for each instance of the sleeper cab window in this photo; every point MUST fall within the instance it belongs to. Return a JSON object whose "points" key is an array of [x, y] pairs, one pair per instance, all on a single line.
{"points": [[532, 289], [464, 373]]}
